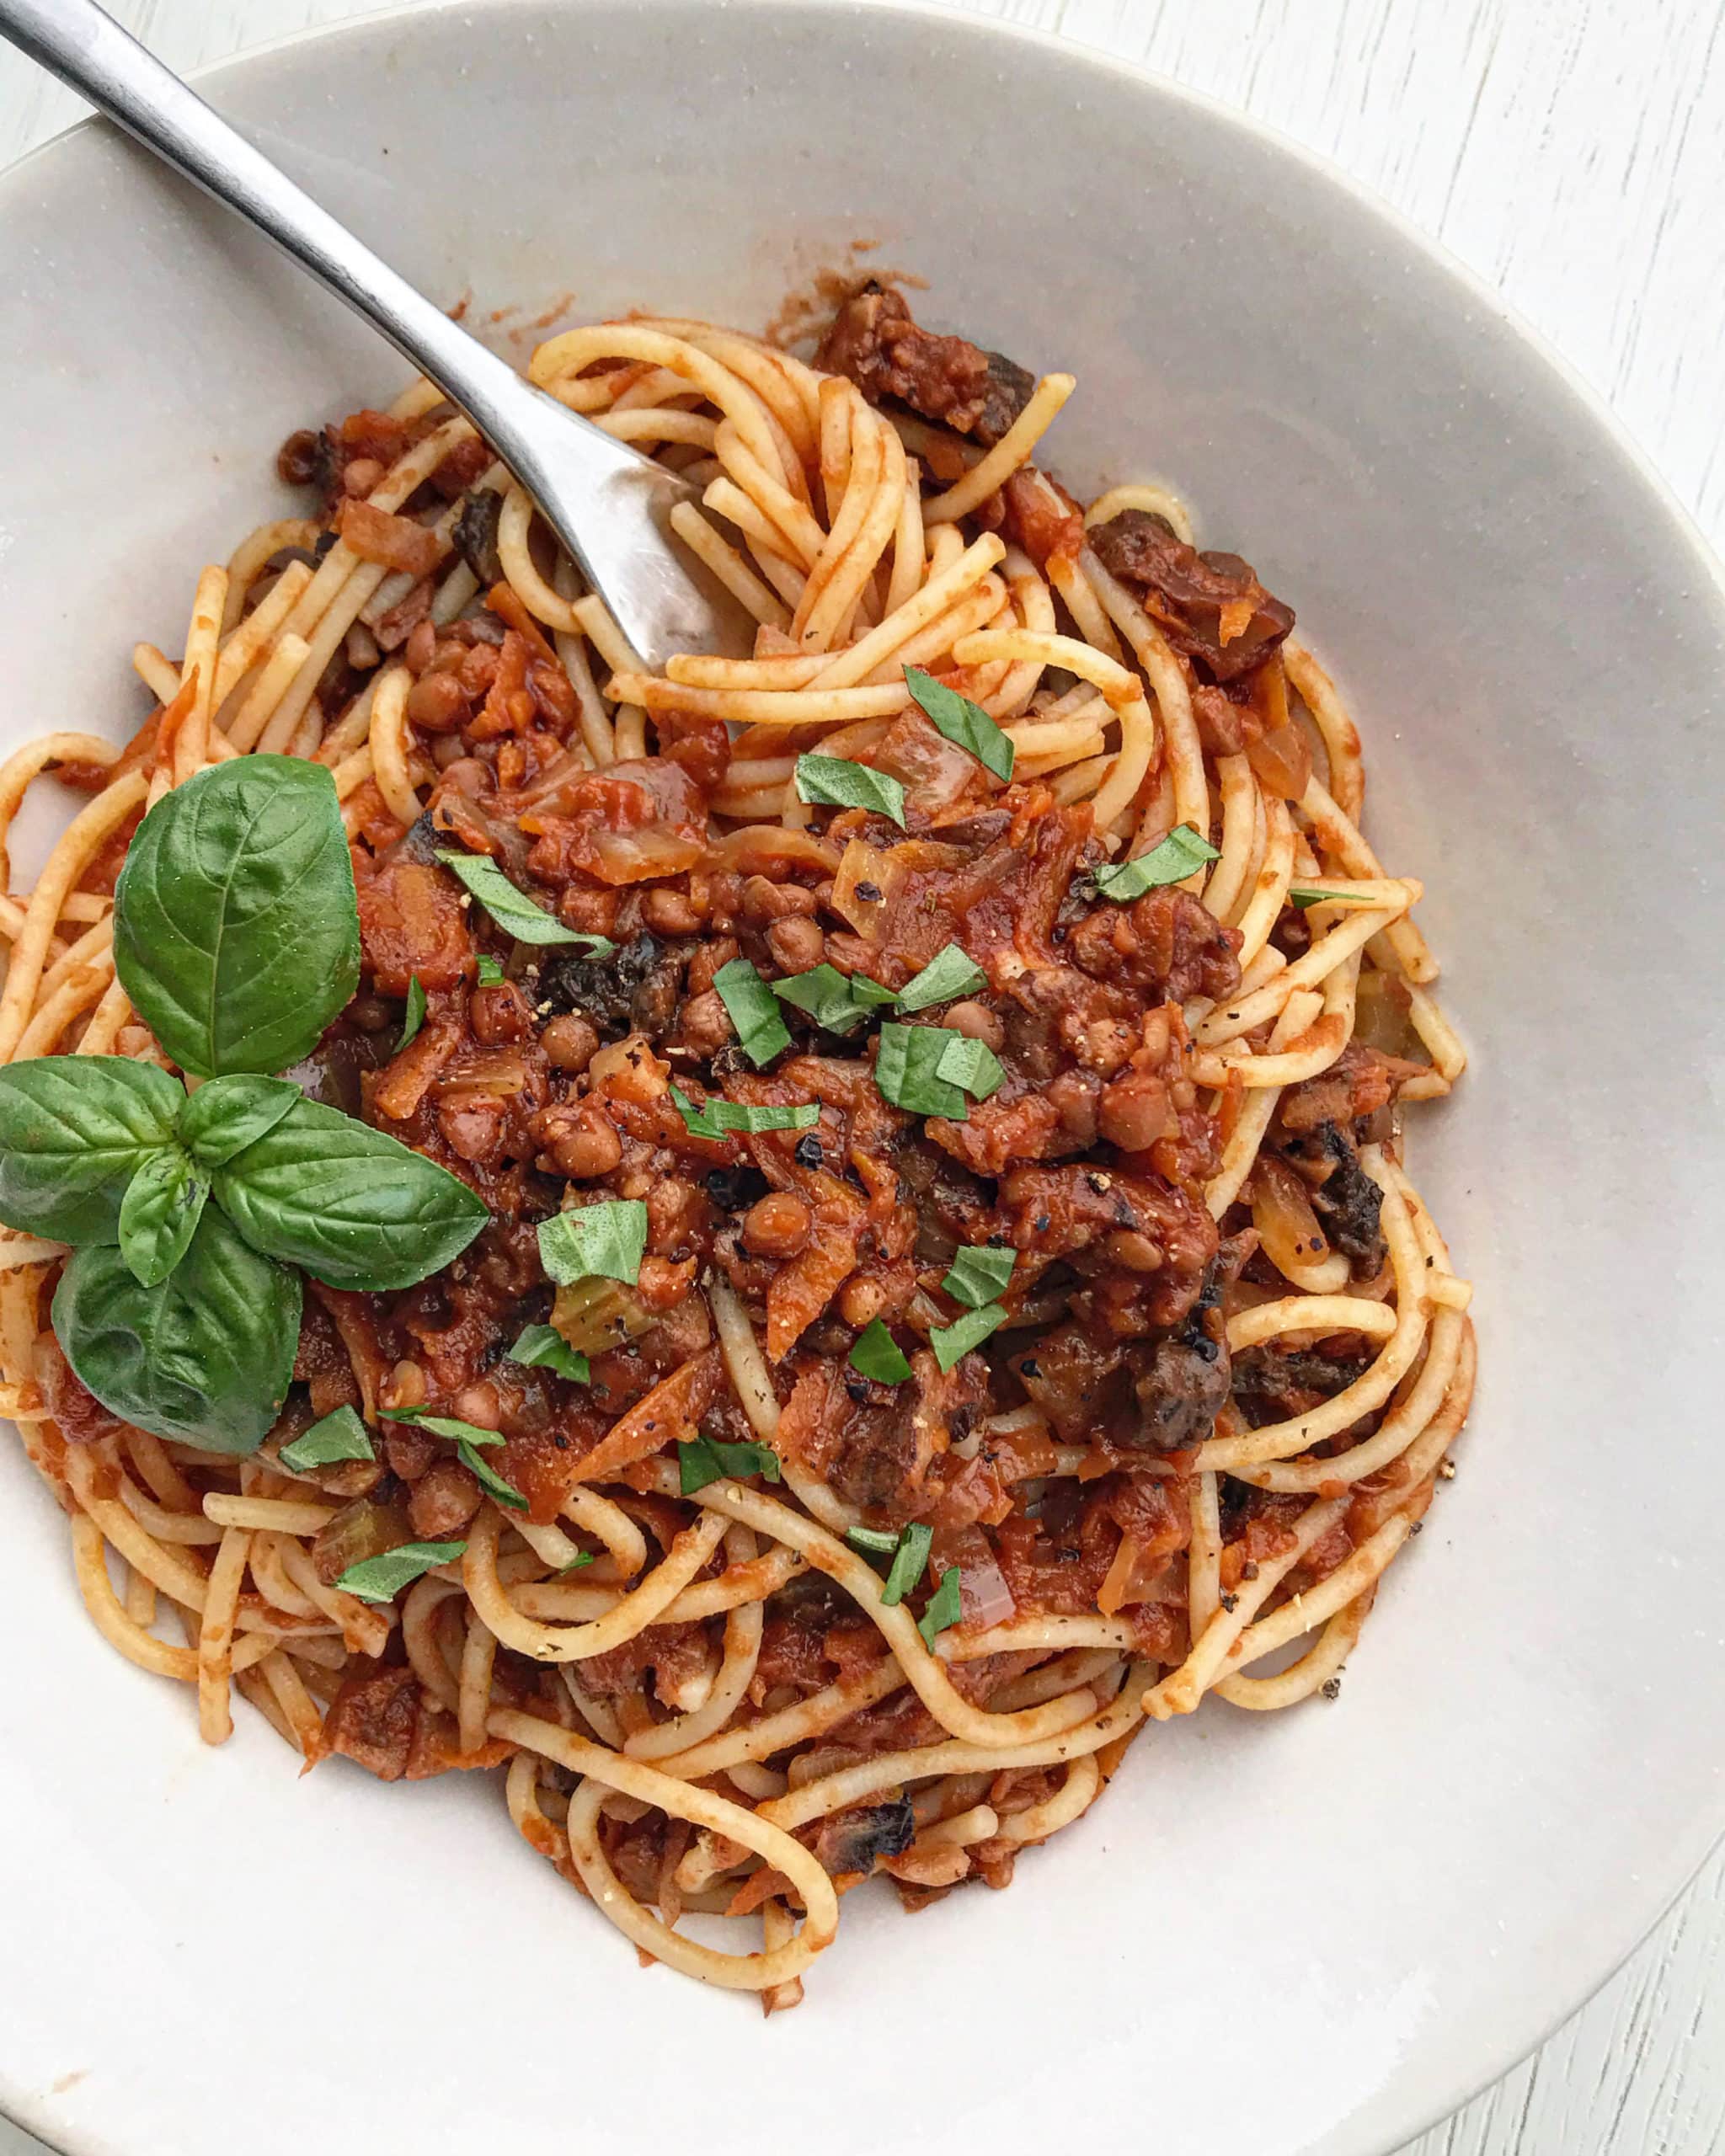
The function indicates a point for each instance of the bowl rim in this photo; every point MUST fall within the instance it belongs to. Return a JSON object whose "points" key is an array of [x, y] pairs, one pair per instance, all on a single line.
{"points": [[1648, 1894], [955, 16]]}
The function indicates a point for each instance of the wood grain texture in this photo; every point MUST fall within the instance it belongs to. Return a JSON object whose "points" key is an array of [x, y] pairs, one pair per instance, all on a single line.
{"points": [[1572, 152]]}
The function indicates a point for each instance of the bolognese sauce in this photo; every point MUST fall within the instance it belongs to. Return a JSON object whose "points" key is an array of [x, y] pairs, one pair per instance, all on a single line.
{"points": [[979, 1036]]}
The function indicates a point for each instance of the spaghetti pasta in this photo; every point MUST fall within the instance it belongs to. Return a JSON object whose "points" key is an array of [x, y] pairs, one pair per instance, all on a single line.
{"points": [[981, 1005]]}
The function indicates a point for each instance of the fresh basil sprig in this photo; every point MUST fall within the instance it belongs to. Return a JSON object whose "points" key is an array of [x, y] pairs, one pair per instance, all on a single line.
{"points": [[205, 1357], [226, 1116], [236, 926], [354, 1206], [162, 1205], [74, 1130], [236, 937]]}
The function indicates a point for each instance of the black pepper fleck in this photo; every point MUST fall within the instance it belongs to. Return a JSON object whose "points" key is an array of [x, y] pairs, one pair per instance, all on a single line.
{"points": [[1231, 1603], [808, 1152], [870, 893], [1333, 1688]]}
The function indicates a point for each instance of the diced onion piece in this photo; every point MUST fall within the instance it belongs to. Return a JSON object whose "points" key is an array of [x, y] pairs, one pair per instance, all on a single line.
{"points": [[1382, 1016], [1282, 760], [1282, 1214], [358, 1531], [593, 1315], [638, 857], [494, 1075], [864, 867]]}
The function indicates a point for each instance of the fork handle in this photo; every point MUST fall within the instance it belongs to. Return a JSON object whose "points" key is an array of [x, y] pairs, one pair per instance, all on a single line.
{"points": [[94, 56], [594, 490]]}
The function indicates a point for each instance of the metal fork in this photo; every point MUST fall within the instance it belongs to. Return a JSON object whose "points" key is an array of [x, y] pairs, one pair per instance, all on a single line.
{"points": [[608, 504]]}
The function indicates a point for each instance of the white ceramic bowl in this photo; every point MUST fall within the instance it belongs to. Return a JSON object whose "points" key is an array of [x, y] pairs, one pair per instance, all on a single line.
{"points": [[1309, 1933]]}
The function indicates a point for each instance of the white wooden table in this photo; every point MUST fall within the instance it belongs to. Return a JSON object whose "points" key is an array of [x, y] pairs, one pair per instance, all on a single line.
{"points": [[1573, 152]]}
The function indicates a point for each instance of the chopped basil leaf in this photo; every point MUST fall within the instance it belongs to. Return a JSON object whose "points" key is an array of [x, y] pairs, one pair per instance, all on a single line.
{"points": [[338, 1435], [948, 974], [415, 1016], [543, 1346], [490, 973], [754, 1011], [836, 783], [442, 1426], [970, 1063], [604, 1241], [910, 1560], [708, 1459], [951, 1341], [840, 1003], [1171, 861], [489, 1480], [716, 1118], [944, 1606], [980, 1273], [962, 721], [581, 1557], [908, 1070], [1298, 896], [381, 1579], [878, 1541], [878, 1355], [513, 910]]}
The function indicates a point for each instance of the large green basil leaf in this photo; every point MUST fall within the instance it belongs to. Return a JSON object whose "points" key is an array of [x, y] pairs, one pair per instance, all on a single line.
{"points": [[229, 1114], [236, 926], [74, 1129], [353, 1207], [204, 1358], [162, 1205]]}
